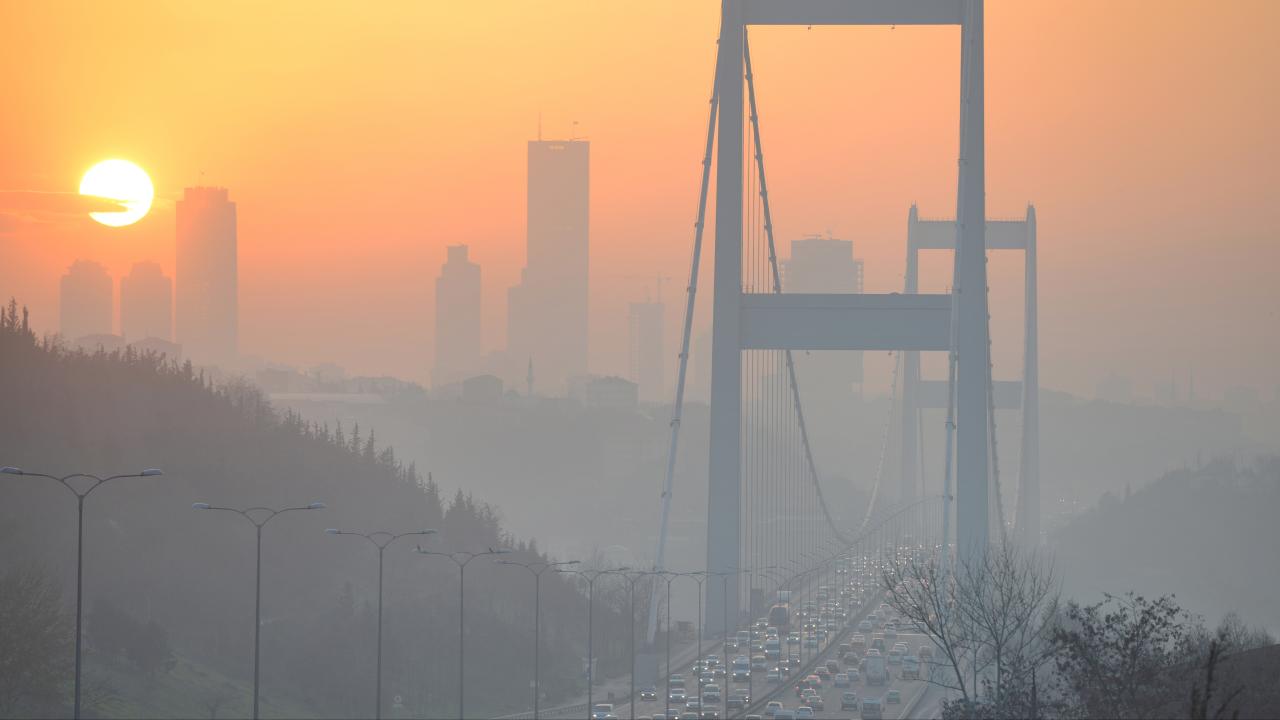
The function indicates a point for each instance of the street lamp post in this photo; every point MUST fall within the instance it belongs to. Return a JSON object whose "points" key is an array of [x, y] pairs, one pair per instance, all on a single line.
{"points": [[592, 576], [669, 577], [631, 597], [699, 576], [380, 539], [80, 496], [251, 514], [462, 559], [537, 568]]}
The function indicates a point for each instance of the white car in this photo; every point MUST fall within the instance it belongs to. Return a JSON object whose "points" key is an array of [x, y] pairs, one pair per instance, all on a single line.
{"points": [[603, 711]]}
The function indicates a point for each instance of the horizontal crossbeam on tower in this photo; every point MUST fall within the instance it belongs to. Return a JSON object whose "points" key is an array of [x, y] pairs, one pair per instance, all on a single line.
{"points": [[847, 12], [1001, 234], [845, 321]]}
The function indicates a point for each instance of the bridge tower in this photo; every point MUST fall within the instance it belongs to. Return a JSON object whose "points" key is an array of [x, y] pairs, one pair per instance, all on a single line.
{"points": [[1024, 394], [956, 322]]}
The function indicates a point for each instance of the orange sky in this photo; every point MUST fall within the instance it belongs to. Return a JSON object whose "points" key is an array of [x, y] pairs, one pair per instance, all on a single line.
{"points": [[361, 138]]}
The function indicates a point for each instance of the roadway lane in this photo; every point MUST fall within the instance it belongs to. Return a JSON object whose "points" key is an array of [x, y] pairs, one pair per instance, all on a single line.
{"points": [[906, 689]]}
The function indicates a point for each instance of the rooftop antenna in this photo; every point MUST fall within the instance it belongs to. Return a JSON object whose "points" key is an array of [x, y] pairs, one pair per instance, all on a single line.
{"points": [[573, 132], [539, 126]]}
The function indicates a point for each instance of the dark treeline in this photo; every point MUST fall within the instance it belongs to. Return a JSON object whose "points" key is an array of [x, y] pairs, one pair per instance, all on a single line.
{"points": [[169, 590]]}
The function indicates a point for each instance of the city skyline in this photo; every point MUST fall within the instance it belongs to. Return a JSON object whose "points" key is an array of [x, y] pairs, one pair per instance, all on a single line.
{"points": [[1115, 230]]}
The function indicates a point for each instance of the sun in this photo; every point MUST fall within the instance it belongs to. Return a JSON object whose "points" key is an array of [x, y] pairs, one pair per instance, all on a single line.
{"points": [[123, 181]]}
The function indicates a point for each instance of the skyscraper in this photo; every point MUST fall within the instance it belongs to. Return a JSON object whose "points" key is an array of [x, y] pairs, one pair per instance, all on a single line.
{"points": [[207, 309], [644, 336], [457, 318], [825, 265], [146, 303], [547, 311], [86, 301]]}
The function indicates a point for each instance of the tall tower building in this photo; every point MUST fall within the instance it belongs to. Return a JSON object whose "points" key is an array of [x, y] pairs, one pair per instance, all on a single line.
{"points": [[146, 303], [86, 301], [457, 318], [829, 379], [644, 336], [826, 265], [207, 308], [547, 311]]}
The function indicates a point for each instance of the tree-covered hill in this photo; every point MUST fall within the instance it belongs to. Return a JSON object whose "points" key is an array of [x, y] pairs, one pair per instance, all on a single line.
{"points": [[1207, 533], [182, 579]]}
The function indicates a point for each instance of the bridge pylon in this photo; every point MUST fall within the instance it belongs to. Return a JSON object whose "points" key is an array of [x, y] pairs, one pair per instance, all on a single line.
{"points": [[955, 322]]}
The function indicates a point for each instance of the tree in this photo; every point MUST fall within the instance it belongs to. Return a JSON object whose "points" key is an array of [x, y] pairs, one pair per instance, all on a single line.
{"points": [[35, 641], [921, 591], [1116, 656], [992, 622], [1009, 599]]}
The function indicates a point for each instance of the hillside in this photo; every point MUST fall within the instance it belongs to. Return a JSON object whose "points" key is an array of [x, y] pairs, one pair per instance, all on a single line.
{"points": [[186, 577], [1208, 534]]}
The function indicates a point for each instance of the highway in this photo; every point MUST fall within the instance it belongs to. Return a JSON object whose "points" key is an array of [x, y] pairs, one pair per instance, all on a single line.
{"points": [[906, 692]]}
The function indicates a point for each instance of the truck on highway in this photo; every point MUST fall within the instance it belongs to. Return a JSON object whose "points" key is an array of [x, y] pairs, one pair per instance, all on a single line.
{"points": [[877, 672], [772, 648], [780, 616]]}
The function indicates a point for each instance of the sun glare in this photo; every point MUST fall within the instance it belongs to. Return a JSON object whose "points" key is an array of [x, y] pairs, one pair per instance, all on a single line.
{"points": [[123, 181]]}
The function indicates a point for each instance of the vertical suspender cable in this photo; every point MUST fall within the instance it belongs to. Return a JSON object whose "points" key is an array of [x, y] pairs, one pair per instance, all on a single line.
{"points": [[777, 286]]}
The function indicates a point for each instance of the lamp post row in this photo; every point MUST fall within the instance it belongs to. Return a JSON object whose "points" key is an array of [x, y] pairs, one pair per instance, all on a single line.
{"points": [[259, 516]]}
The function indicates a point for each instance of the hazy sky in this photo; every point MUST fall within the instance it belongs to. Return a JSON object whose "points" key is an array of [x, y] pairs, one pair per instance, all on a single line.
{"points": [[359, 139]]}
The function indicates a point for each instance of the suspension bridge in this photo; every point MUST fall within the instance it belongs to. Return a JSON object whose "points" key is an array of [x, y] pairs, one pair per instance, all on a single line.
{"points": [[766, 505]]}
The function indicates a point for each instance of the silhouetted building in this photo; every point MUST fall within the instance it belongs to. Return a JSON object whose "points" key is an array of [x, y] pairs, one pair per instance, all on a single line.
{"points": [[457, 318], [159, 346], [86, 301], [612, 392], [547, 311], [146, 303], [100, 342], [825, 265], [646, 356], [207, 308], [482, 390]]}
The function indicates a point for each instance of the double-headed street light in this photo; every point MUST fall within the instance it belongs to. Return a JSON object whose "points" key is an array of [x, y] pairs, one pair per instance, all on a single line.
{"points": [[632, 577], [259, 516], [592, 576], [462, 559], [537, 568], [380, 539], [80, 496]]}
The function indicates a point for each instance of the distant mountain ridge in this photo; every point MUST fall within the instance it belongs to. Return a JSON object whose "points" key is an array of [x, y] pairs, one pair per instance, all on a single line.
{"points": [[1209, 534]]}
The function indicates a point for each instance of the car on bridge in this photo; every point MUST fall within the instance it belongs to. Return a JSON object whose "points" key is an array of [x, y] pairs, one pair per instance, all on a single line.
{"points": [[737, 701], [649, 693], [677, 695], [848, 701], [774, 676], [603, 711], [893, 697], [804, 712], [772, 709]]}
